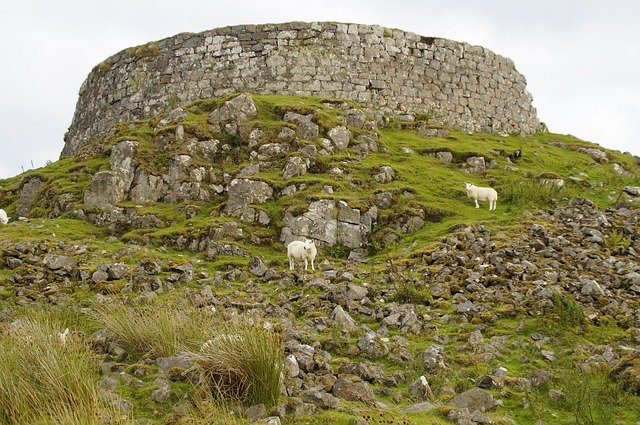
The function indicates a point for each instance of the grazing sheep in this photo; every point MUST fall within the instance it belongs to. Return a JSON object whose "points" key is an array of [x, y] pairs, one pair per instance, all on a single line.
{"points": [[482, 194], [298, 250], [3, 217]]}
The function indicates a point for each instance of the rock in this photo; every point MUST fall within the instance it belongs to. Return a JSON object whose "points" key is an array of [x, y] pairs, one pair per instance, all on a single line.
{"points": [[373, 345], [355, 390], [103, 192], [29, 192], [162, 392], [243, 192], [385, 174], [355, 118], [146, 188], [418, 407], [295, 166], [257, 267], [596, 154], [179, 361], [234, 114], [632, 190], [305, 128], [445, 156], [173, 117], [475, 165], [434, 359], [420, 389], [59, 262], [292, 370], [590, 287], [271, 151], [320, 223], [475, 399], [342, 319], [321, 399], [621, 171], [364, 370], [255, 412], [249, 170], [340, 136]]}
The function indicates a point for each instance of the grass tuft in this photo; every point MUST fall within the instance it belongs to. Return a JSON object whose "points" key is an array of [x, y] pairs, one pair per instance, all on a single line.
{"points": [[43, 381], [156, 332], [243, 363]]}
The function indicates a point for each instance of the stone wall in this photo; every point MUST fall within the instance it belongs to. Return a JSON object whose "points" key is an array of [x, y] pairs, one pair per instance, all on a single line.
{"points": [[469, 86]]}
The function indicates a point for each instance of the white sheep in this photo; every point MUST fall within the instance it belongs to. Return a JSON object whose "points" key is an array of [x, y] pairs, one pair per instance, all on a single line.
{"points": [[4, 219], [298, 250], [482, 194]]}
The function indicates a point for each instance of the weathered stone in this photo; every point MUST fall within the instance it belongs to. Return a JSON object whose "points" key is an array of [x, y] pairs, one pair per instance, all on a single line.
{"points": [[373, 345], [243, 192], [340, 136], [257, 267], [295, 166], [420, 389], [233, 115], [342, 319], [355, 390], [474, 164], [59, 262], [28, 196], [475, 399]]}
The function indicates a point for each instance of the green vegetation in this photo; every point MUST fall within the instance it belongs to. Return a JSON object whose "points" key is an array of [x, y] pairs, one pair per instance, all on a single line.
{"points": [[243, 362], [46, 381], [156, 331], [237, 357]]}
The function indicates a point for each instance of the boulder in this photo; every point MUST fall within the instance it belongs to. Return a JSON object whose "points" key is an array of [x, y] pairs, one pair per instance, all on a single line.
{"points": [[28, 196], [340, 136], [234, 114], [475, 399], [243, 192]]}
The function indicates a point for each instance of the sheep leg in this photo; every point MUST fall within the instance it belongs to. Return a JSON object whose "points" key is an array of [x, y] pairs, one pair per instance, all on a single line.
{"points": [[305, 264], [312, 267], [290, 263], [477, 206]]}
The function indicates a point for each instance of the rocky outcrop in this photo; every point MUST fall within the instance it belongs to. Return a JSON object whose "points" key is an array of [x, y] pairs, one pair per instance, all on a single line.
{"points": [[329, 222]]}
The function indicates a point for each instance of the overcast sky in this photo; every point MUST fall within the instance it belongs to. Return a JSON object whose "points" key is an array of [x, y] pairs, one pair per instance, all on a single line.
{"points": [[581, 58]]}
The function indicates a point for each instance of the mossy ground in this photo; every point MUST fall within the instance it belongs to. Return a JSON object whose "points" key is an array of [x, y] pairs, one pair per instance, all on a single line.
{"points": [[423, 183]]}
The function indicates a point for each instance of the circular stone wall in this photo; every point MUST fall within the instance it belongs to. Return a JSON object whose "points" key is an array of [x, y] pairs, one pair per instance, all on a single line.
{"points": [[471, 87]]}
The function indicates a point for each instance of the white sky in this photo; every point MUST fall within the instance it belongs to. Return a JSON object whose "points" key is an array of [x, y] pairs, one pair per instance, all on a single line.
{"points": [[581, 58]]}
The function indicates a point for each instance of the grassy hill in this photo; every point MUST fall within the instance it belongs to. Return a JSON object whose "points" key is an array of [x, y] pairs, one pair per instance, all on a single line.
{"points": [[534, 304]]}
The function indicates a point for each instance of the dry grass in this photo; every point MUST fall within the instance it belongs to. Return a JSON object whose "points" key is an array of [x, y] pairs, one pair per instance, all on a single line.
{"points": [[43, 381], [156, 330], [243, 363]]}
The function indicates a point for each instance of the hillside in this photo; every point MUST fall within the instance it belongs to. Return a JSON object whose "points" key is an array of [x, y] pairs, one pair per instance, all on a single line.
{"points": [[161, 246]]}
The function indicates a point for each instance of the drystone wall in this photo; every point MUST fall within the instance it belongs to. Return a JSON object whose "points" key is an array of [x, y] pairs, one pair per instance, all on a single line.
{"points": [[470, 87]]}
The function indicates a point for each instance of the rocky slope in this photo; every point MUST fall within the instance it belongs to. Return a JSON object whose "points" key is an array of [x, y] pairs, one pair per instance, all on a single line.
{"points": [[422, 308]]}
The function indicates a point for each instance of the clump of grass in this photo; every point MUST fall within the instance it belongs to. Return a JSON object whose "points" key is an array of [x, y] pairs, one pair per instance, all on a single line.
{"points": [[617, 240], [409, 293], [593, 398], [156, 332], [529, 192], [45, 381], [242, 363], [567, 309]]}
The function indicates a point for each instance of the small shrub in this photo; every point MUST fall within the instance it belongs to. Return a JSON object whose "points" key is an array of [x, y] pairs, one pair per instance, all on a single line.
{"points": [[408, 293], [242, 363], [529, 192], [592, 397], [617, 240], [567, 309]]}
